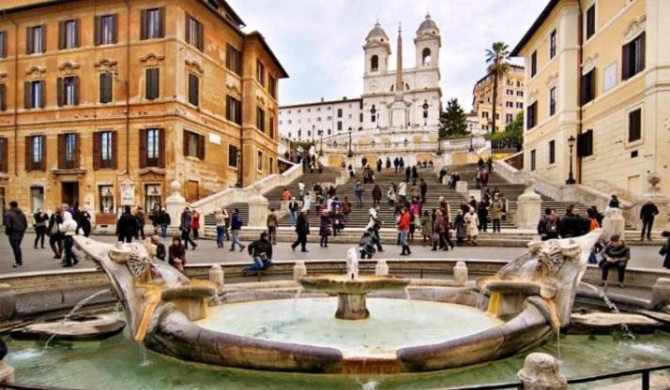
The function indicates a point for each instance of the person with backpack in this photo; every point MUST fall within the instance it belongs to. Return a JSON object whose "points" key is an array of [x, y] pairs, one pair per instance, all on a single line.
{"points": [[235, 227]]}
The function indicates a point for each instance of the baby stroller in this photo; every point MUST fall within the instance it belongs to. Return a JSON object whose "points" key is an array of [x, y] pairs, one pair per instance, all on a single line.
{"points": [[367, 245]]}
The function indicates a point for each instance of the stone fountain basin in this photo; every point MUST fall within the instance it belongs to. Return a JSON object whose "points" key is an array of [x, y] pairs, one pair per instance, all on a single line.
{"points": [[363, 284]]}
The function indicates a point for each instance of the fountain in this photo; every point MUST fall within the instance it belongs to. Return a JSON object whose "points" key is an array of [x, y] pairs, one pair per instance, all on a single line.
{"points": [[352, 289], [530, 299]]}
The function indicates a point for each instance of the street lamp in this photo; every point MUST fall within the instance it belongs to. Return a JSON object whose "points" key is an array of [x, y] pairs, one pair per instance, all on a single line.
{"points": [[239, 170], [439, 141], [425, 112], [350, 154], [321, 147], [313, 142], [472, 147], [571, 144]]}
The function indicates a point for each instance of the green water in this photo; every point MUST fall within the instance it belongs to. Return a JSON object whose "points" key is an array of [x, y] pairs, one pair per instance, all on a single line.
{"points": [[119, 363]]}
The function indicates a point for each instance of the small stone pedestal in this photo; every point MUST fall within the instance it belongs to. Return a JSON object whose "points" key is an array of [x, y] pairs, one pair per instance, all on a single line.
{"points": [[175, 204], [299, 269], [540, 372], [461, 273], [613, 223], [382, 268], [258, 210], [529, 208], [462, 187], [351, 307], [7, 303], [660, 296], [216, 277]]}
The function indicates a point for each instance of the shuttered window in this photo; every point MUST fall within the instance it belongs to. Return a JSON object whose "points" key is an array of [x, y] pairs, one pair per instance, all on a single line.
{"points": [[633, 57], [152, 23], [68, 151], [4, 158], [104, 150], [193, 89], [106, 29], [260, 73], [234, 60], [3, 44], [233, 152], [260, 119], [635, 125], [194, 32], [152, 83], [272, 86], [36, 39], [589, 86], [68, 34], [585, 144], [3, 97], [106, 84], [194, 145], [34, 94], [36, 153], [531, 116], [233, 110], [68, 90], [152, 148]]}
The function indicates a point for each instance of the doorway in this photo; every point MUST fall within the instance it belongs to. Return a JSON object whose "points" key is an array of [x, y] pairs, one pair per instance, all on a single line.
{"points": [[70, 193]]}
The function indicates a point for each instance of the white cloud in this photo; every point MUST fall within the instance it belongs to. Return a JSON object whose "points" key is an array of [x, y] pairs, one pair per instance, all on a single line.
{"points": [[319, 42]]}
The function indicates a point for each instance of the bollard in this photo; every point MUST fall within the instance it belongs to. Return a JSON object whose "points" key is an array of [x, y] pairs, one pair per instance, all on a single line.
{"points": [[299, 269], [216, 277], [381, 269], [660, 295], [7, 302], [540, 372], [461, 273]]}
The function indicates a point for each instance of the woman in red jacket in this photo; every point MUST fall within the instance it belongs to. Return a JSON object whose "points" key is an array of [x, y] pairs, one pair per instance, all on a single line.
{"points": [[403, 228]]}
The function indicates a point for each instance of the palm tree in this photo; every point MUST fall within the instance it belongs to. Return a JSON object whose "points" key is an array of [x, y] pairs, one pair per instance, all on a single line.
{"points": [[497, 58]]}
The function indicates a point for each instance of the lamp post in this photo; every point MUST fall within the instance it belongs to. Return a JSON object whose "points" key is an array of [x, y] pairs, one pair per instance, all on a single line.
{"points": [[321, 147], [313, 142], [239, 170], [439, 141], [571, 144], [350, 154], [472, 147], [425, 112]]}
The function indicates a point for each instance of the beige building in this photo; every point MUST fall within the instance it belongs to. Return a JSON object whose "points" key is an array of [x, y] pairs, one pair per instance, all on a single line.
{"points": [[509, 100], [598, 71], [106, 103]]}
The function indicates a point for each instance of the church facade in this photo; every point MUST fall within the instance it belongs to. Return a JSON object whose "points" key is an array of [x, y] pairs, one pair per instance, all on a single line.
{"points": [[398, 110]]}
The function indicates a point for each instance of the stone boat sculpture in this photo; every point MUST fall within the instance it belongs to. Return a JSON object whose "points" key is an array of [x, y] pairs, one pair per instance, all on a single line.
{"points": [[533, 295]]}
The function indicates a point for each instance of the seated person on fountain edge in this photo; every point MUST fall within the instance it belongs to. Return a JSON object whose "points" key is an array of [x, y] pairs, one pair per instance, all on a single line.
{"points": [[160, 247], [177, 254], [261, 251], [616, 254]]}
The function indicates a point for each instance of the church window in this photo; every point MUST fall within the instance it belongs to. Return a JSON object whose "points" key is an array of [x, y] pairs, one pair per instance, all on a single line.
{"points": [[425, 57], [374, 63]]}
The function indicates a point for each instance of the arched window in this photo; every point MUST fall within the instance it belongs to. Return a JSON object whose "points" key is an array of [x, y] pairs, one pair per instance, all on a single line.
{"points": [[374, 63], [425, 57]]}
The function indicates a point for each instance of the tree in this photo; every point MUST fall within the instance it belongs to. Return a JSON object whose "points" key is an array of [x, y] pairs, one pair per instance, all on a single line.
{"points": [[453, 123], [513, 134], [497, 57]]}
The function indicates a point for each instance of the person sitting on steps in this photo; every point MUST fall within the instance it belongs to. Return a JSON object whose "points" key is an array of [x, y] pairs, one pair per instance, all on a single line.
{"points": [[616, 254]]}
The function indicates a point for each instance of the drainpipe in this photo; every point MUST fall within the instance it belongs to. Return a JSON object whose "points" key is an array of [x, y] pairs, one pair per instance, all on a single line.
{"points": [[127, 88], [580, 58]]}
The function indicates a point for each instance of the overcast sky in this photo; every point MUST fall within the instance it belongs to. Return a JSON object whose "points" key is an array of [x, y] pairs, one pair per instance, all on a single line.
{"points": [[319, 42]]}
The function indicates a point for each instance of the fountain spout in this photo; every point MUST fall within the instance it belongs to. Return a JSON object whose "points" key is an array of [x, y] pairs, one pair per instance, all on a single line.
{"points": [[352, 263]]}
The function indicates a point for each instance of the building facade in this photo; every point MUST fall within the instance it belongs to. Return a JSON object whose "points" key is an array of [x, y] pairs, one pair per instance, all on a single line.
{"points": [[102, 104], [598, 73], [509, 100], [397, 107]]}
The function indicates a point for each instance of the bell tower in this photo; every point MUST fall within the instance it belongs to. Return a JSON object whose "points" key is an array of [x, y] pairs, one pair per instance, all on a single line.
{"points": [[427, 44]]}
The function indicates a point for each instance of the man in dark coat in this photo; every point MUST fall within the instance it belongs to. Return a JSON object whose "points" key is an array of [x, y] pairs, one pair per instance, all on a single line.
{"points": [[647, 214], [126, 226], [15, 227], [302, 230], [261, 251]]}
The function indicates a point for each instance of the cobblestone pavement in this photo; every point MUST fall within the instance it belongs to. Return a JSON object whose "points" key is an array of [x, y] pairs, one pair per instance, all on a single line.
{"points": [[38, 260]]}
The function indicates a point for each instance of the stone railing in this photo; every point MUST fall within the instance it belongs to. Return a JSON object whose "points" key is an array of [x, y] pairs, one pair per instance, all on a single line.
{"points": [[478, 143], [210, 203]]}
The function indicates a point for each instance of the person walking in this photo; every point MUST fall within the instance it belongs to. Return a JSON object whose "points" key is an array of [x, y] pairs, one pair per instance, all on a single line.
{"points": [[69, 229], [390, 195], [403, 229], [439, 231], [665, 249], [272, 224], [164, 221], [358, 192], [126, 226], [185, 228], [472, 223], [423, 188], [220, 228], [15, 227], [374, 224], [496, 210], [84, 221], [195, 224], [139, 216], [55, 236], [324, 229], [235, 227], [647, 214], [376, 195], [293, 208], [40, 222], [302, 230], [483, 215]]}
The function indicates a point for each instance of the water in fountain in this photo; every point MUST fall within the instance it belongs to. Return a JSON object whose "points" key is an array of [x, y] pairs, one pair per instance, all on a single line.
{"points": [[352, 263], [144, 359], [627, 334], [76, 308], [409, 299]]}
